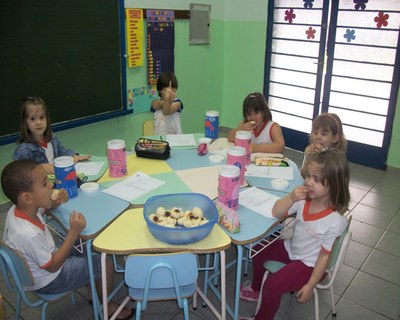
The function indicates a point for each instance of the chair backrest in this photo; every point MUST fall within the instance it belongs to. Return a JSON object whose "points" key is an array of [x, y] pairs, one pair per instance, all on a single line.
{"points": [[339, 248], [13, 263], [160, 271], [148, 128]]}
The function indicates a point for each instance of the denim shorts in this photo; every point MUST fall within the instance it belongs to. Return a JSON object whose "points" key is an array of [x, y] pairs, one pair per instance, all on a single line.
{"points": [[74, 275]]}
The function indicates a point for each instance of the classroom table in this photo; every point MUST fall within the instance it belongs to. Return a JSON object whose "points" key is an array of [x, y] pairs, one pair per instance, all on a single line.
{"points": [[186, 171], [100, 210], [129, 234]]}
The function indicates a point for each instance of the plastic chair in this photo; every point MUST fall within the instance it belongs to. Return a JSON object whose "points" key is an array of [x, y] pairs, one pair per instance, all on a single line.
{"points": [[335, 262], [148, 128], [13, 265], [161, 277]]}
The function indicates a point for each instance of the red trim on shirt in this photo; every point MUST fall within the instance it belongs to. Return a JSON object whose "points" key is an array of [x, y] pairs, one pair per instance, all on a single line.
{"points": [[325, 250], [315, 216], [48, 263], [257, 133], [43, 144], [270, 130], [22, 215]]}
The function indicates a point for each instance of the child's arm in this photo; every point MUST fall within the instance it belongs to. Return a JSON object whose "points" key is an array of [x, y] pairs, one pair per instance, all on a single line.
{"points": [[157, 104], [306, 292], [282, 205], [276, 146], [77, 223], [78, 157]]}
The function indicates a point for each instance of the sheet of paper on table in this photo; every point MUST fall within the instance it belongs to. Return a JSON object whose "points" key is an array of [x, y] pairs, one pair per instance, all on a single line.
{"points": [[134, 187], [285, 173], [89, 168], [258, 200], [181, 140]]}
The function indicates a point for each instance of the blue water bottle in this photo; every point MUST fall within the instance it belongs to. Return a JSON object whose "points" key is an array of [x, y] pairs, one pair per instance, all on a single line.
{"points": [[211, 124]]}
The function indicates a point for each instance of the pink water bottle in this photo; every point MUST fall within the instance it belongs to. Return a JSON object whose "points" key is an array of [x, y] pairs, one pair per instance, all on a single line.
{"points": [[237, 156], [228, 186], [116, 156], [243, 139]]}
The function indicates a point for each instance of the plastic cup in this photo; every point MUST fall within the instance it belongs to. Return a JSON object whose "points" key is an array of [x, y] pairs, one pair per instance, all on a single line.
{"points": [[211, 124], [243, 139], [65, 175], [116, 156], [237, 156], [228, 186]]}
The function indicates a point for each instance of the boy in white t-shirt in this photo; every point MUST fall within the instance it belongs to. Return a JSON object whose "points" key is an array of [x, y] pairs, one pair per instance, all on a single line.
{"points": [[54, 270]]}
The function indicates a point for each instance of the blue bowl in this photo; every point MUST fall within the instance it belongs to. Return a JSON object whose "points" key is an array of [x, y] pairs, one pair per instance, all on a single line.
{"points": [[184, 201]]}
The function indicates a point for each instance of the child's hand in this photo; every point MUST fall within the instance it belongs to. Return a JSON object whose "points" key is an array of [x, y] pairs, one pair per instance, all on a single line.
{"points": [[249, 125], [77, 158], [168, 94], [59, 196], [305, 293], [48, 167], [77, 222], [314, 147], [299, 193]]}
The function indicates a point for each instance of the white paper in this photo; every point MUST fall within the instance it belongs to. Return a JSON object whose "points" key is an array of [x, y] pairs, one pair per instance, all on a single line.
{"points": [[285, 173], [134, 186], [181, 140], [258, 200], [89, 168]]}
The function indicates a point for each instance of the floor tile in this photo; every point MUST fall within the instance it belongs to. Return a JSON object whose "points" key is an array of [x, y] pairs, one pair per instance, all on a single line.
{"points": [[372, 216], [374, 294], [383, 265], [356, 255], [394, 225], [364, 177], [390, 243], [347, 310], [388, 189], [357, 194], [365, 233], [382, 202]]}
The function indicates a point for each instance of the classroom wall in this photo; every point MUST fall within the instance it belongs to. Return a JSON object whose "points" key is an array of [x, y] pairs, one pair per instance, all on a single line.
{"points": [[216, 76]]}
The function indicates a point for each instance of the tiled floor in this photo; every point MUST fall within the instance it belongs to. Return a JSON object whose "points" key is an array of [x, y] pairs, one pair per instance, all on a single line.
{"points": [[368, 284]]}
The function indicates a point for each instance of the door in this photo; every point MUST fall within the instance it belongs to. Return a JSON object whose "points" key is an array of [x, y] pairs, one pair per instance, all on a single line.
{"points": [[351, 70]]}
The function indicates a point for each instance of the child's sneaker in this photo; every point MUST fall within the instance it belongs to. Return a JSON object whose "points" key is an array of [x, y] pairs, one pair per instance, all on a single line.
{"points": [[247, 293]]}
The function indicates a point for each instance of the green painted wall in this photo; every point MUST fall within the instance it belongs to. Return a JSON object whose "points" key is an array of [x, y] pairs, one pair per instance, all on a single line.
{"points": [[217, 76]]}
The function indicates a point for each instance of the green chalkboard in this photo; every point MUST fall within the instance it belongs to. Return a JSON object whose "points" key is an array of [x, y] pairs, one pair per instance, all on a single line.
{"points": [[65, 51]]}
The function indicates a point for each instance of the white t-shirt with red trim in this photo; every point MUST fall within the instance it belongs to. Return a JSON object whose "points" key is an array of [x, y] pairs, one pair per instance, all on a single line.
{"points": [[32, 239], [264, 135], [313, 232], [48, 150]]}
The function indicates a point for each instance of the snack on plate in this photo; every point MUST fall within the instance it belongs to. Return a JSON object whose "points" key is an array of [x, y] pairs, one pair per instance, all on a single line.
{"points": [[271, 162], [176, 218], [54, 194], [228, 218]]}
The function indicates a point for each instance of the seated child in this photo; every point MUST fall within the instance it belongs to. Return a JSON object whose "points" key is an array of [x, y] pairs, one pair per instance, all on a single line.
{"points": [[327, 132], [167, 110], [54, 270], [36, 140], [257, 118]]}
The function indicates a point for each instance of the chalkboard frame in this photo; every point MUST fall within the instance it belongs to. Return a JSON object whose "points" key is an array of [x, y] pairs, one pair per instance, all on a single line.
{"points": [[119, 110]]}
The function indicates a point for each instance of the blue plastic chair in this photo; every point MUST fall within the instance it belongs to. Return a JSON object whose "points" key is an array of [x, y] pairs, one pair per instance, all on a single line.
{"points": [[161, 277], [16, 275]]}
